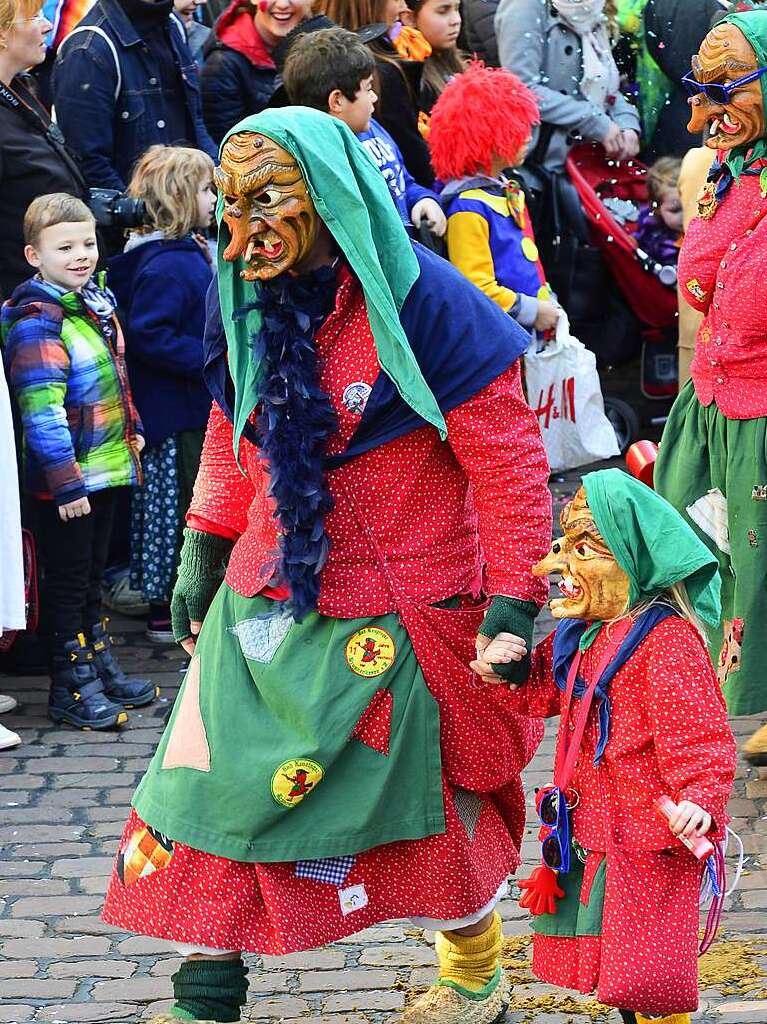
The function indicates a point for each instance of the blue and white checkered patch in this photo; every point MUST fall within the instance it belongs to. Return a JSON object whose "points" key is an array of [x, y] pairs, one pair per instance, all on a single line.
{"points": [[332, 870]]}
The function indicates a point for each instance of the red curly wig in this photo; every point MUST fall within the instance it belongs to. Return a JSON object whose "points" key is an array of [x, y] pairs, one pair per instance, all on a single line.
{"points": [[482, 113]]}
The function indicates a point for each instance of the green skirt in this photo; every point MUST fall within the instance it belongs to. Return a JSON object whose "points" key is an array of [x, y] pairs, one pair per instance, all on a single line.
{"points": [[296, 741], [702, 452]]}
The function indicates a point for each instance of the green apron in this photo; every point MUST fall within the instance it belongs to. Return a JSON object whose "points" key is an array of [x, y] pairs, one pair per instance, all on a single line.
{"points": [[258, 761], [703, 450], [574, 918]]}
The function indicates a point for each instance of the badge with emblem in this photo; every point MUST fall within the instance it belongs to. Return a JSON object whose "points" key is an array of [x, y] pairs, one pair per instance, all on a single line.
{"points": [[707, 201], [370, 652], [355, 397], [295, 779]]}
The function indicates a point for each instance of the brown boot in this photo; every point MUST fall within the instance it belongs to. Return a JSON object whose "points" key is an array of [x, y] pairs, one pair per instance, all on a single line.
{"points": [[755, 748], [442, 1004]]}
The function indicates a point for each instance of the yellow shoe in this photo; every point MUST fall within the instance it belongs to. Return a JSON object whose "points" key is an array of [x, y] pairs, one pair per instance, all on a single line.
{"points": [[675, 1018], [755, 748], [442, 1004]]}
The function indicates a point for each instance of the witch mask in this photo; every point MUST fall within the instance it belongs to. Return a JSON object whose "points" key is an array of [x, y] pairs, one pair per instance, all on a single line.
{"points": [[593, 585], [271, 219], [728, 118]]}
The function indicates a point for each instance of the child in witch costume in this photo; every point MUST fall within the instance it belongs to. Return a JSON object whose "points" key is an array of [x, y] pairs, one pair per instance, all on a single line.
{"points": [[712, 465], [332, 669], [642, 716]]}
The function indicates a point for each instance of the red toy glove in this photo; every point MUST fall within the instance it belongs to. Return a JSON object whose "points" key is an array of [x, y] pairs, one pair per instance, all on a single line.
{"points": [[542, 891]]}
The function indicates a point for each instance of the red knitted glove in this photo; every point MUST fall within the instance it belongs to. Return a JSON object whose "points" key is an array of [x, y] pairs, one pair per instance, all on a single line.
{"points": [[542, 891]]}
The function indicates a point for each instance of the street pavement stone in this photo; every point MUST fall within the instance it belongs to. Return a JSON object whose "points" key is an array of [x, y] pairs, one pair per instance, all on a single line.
{"points": [[64, 795]]}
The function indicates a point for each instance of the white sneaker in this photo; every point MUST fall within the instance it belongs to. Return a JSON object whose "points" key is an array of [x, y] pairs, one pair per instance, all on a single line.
{"points": [[6, 703], [8, 739]]}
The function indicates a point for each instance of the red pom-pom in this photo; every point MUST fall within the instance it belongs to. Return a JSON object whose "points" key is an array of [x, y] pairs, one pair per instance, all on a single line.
{"points": [[482, 113]]}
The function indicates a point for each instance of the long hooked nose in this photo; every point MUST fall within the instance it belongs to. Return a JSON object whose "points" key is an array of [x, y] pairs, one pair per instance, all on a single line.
{"points": [[554, 562], [241, 228]]}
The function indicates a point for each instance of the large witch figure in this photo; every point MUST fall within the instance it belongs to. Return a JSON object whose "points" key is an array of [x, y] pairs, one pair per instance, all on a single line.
{"points": [[378, 483], [713, 459]]}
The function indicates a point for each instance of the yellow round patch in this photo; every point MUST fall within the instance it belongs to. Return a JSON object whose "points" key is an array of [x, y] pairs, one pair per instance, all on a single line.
{"points": [[296, 779], [529, 249], [370, 652], [544, 293]]}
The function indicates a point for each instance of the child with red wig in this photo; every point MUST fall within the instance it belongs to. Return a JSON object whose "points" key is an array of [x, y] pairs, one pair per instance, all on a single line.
{"points": [[481, 126]]}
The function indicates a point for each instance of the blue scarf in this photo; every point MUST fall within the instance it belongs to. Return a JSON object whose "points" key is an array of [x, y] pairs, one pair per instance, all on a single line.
{"points": [[566, 642]]}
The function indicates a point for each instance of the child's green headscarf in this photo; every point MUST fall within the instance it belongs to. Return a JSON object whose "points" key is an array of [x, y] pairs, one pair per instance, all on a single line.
{"points": [[652, 543], [352, 198]]}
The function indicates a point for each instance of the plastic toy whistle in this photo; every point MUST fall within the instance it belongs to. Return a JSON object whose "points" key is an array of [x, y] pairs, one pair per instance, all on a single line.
{"points": [[698, 846]]}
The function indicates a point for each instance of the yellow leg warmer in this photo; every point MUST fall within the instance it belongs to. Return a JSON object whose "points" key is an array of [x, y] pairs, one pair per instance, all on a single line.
{"points": [[675, 1018], [470, 961]]}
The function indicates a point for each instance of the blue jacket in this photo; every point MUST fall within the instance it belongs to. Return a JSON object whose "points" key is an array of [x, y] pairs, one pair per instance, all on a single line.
{"points": [[405, 190], [160, 288], [108, 96]]}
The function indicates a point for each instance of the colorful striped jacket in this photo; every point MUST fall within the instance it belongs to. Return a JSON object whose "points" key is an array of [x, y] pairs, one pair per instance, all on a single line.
{"points": [[72, 389]]}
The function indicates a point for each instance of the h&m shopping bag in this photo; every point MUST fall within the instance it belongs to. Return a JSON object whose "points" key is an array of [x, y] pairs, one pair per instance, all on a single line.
{"points": [[564, 391]]}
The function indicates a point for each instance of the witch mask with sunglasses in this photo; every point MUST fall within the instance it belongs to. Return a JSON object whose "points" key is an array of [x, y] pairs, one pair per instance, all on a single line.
{"points": [[725, 90], [615, 898]]}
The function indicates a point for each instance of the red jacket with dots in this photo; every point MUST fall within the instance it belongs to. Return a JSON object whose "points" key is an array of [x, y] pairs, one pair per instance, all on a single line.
{"points": [[458, 517]]}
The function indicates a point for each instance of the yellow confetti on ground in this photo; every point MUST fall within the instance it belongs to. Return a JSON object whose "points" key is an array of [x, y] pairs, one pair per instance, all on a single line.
{"points": [[731, 966], [734, 967]]}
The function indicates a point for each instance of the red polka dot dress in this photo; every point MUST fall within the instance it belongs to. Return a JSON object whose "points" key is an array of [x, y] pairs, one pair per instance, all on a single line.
{"points": [[461, 517], [668, 735]]}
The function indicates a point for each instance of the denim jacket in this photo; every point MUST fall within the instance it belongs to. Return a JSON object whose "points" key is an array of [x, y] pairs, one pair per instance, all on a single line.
{"points": [[109, 119]]}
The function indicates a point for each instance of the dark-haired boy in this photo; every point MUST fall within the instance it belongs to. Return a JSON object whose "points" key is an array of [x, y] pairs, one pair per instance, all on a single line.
{"points": [[332, 70]]}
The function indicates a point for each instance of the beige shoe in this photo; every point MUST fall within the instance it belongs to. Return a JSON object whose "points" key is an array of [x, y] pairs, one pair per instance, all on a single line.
{"points": [[755, 748], [445, 1005]]}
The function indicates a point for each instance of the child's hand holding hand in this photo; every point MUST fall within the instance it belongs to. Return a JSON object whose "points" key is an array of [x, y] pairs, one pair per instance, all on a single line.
{"points": [[137, 443], [430, 211], [504, 648], [75, 509], [548, 315], [689, 820]]}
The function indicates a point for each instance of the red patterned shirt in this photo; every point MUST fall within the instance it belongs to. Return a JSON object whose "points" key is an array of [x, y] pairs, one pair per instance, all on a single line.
{"points": [[723, 273], [450, 517]]}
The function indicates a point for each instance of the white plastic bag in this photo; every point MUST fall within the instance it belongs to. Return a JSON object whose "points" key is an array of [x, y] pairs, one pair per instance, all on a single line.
{"points": [[564, 391]]}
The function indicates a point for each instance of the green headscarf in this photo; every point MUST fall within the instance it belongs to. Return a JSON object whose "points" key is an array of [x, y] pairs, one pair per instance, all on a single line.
{"points": [[753, 25], [352, 198], [652, 543]]}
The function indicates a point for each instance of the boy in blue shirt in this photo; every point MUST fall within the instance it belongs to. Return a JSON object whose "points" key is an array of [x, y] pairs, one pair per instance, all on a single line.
{"points": [[332, 70]]}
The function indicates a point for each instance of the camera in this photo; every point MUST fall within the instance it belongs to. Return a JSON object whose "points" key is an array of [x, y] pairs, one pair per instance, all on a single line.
{"points": [[113, 209]]}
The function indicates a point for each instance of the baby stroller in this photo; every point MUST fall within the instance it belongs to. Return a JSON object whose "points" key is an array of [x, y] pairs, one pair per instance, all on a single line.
{"points": [[621, 304]]}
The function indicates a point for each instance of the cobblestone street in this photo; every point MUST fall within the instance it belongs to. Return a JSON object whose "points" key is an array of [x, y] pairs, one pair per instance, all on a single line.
{"points": [[64, 796]]}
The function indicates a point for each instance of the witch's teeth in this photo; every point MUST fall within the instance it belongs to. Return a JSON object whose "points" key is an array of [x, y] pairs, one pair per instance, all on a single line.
{"points": [[714, 127], [249, 250]]}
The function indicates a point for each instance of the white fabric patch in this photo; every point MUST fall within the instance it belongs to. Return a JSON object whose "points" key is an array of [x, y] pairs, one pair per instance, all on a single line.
{"points": [[709, 514], [352, 898], [261, 637]]}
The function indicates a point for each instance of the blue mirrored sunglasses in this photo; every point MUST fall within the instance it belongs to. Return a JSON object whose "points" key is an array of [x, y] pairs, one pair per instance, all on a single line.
{"points": [[717, 92]]}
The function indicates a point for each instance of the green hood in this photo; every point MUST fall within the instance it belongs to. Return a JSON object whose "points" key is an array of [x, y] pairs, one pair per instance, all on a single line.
{"points": [[652, 543], [753, 25], [353, 199]]}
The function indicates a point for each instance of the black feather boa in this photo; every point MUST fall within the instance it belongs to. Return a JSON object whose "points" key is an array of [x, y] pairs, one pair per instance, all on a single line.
{"points": [[295, 420]]}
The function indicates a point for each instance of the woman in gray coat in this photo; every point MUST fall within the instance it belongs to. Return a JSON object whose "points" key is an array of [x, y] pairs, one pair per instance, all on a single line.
{"points": [[561, 49]]}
